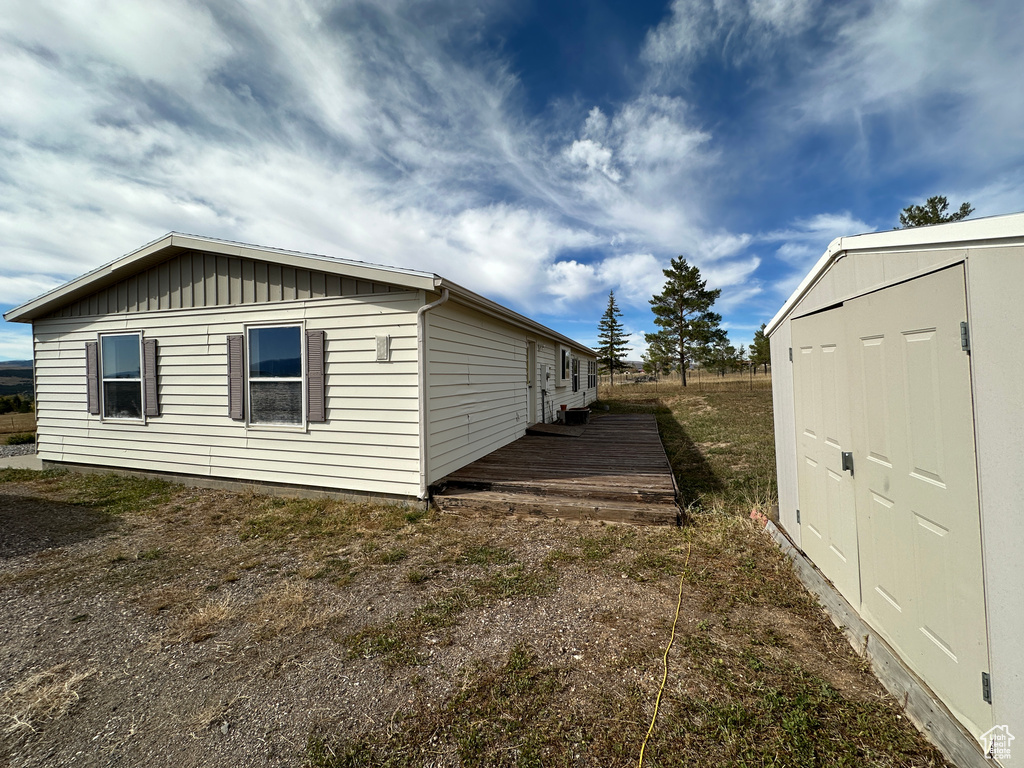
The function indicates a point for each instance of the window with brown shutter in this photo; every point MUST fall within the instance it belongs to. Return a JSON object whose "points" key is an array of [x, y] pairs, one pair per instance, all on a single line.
{"points": [[316, 390], [92, 377], [149, 378], [236, 377]]}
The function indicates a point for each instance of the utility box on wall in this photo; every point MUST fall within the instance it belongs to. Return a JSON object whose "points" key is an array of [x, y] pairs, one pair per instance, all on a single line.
{"points": [[894, 441]]}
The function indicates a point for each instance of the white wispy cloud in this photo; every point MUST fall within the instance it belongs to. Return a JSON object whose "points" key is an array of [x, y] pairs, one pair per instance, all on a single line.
{"points": [[350, 130]]}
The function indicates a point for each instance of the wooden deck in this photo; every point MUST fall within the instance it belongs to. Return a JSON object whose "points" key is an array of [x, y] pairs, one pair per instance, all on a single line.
{"points": [[616, 470]]}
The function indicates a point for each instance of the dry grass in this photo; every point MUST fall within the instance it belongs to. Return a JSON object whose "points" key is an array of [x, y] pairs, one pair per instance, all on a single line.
{"points": [[361, 635], [17, 422], [40, 698], [202, 622]]}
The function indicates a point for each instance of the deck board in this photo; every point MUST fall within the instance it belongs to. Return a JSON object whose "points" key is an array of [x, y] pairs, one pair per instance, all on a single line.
{"points": [[616, 470]]}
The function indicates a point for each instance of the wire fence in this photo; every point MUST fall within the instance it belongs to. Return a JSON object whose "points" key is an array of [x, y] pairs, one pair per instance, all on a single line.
{"points": [[17, 422], [698, 378]]}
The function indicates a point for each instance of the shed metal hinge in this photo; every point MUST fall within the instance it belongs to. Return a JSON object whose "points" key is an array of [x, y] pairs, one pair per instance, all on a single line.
{"points": [[791, 354], [798, 517], [986, 687], [965, 339]]}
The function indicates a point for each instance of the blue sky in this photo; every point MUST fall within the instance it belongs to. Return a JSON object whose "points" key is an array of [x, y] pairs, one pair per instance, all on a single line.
{"points": [[540, 153]]}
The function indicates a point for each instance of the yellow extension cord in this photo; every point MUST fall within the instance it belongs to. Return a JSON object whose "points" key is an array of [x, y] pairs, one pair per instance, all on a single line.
{"points": [[664, 677]]}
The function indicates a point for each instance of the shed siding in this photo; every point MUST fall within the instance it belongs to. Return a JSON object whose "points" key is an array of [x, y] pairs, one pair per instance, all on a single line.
{"points": [[477, 385], [369, 442], [996, 317], [862, 272], [785, 429], [197, 279]]}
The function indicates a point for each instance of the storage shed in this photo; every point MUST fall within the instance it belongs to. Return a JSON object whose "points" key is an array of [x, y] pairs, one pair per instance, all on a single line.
{"points": [[200, 358], [899, 422]]}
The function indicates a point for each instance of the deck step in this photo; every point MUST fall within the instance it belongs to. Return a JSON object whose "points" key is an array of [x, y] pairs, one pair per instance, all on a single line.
{"points": [[518, 504], [606, 492]]}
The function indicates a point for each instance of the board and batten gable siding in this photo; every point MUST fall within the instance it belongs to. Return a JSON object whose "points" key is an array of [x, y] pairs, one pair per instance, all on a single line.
{"points": [[477, 385], [369, 442], [199, 279]]}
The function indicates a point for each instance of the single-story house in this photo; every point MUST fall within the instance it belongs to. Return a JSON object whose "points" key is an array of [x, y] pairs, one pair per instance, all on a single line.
{"points": [[899, 420], [199, 358]]}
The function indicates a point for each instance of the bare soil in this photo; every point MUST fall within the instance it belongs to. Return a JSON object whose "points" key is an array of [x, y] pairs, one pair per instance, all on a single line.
{"points": [[143, 624]]}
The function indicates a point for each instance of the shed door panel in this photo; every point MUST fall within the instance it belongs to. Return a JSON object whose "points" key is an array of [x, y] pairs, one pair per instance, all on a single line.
{"points": [[916, 484], [828, 521]]}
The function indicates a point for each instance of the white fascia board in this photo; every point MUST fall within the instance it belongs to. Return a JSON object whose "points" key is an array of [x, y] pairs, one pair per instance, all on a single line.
{"points": [[476, 301], [991, 230], [176, 242]]}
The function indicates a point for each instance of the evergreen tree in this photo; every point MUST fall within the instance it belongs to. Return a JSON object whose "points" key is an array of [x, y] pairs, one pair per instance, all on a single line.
{"points": [[932, 212], [760, 350], [612, 349], [683, 310], [658, 358]]}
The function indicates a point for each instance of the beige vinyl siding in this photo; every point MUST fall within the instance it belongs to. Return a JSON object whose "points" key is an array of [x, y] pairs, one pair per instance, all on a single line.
{"points": [[369, 442], [477, 385], [198, 279]]}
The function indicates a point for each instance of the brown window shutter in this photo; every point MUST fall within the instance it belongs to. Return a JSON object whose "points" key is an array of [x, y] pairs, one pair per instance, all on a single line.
{"points": [[92, 376], [150, 392], [236, 377], [316, 390]]}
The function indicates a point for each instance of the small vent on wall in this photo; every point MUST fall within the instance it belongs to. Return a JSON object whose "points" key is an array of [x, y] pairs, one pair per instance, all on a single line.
{"points": [[383, 348]]}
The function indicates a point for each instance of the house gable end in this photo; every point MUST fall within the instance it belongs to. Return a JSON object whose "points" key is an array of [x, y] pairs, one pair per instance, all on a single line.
{"points": [[195, 279]]}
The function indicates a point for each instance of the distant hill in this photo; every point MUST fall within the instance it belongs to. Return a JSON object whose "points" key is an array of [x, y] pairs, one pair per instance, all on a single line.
{"points": [[16, 378]]}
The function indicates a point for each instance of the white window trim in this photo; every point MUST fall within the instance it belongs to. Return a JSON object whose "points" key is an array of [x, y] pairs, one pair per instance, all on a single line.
{"points": [[564, 356], [269, 426], [101, 379]]}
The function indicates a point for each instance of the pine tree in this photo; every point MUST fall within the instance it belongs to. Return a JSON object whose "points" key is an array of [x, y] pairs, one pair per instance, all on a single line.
{"points": [[683, 310], [613, 344], [760, 351], [658, 357], [932, 212]]}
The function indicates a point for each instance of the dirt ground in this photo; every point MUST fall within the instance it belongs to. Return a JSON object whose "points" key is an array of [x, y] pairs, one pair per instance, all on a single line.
{"points": [[143, 624]]}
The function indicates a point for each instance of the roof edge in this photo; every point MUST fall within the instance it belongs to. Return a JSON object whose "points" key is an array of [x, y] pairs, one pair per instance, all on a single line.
{"points": [[958, 234], [177, 242]]}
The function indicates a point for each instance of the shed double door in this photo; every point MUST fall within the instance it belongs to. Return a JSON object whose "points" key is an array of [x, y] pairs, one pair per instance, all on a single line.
{"points": [[884, 378]]}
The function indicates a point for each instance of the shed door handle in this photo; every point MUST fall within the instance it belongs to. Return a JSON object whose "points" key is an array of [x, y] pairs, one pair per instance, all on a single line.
{"points": [[848, 462]]}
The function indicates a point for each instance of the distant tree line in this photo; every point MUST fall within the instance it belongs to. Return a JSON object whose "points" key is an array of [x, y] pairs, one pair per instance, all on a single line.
{"points": [[15, 404]]}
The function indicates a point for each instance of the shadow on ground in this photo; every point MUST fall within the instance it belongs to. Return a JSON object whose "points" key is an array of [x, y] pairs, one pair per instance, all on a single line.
{"points": [[30, 525], [694, 475]]}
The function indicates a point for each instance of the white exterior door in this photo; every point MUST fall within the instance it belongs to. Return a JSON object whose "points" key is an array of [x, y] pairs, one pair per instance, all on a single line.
{"points": [[898, 532], [916, 484], [828, 519], [531, 382]]}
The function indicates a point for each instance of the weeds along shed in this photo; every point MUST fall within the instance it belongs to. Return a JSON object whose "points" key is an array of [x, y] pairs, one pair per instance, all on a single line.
{"points": [[205, 359], [899, 423]]}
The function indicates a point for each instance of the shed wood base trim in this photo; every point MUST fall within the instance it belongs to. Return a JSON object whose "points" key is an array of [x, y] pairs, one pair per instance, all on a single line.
{"points": [[225, 484], [921, 706]]}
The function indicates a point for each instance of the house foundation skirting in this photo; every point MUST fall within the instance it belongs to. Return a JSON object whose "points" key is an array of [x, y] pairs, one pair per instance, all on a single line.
{"points": [[920, 704], [260, 487]]}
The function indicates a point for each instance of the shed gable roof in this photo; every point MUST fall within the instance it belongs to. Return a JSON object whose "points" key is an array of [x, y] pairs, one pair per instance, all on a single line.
{"points": [[993, 230]]}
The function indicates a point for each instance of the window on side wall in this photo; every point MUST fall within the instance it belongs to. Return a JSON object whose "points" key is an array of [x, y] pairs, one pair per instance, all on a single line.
{"points": [[566, 365], [275, 374], [121, 375]]}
